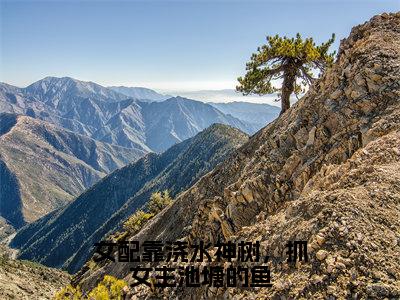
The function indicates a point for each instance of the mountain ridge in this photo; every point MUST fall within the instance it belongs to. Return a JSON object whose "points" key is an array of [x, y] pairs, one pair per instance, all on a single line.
{"points": [[56, 88], [105, 115]]}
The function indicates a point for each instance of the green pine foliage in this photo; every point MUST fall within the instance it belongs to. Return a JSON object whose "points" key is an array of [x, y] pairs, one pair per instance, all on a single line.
{"points": [[290, 59]]}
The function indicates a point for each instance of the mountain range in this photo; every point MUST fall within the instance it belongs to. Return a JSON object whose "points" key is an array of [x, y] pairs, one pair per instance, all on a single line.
{"points": [[230, 102], [256, 114], [109, 116], [59, 136], [226, 96], [65, 237]]}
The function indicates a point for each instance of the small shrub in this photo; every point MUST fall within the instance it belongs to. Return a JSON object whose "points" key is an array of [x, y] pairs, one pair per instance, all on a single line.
{"points": [[158, 201], [110, 288], [121, 236], [136, 221], [99, 293], [69, 293]]}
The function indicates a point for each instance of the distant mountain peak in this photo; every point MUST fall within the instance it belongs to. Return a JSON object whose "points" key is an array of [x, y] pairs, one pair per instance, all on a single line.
{"points": [[50, 81], [131, 117], [66, 87], [66, 79]]}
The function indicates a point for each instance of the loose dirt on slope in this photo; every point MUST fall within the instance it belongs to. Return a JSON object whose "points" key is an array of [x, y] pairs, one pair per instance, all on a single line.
{"points": [[24, 280]]}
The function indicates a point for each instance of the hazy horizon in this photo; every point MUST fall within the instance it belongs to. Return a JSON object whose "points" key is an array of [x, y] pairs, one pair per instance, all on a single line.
{"points": [[216, 95], [168, 46]]}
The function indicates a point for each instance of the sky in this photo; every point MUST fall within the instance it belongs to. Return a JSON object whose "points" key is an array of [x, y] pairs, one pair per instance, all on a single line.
{"points": [[165, 45]]}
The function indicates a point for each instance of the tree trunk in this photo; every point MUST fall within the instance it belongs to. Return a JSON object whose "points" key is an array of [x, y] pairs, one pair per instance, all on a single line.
{"points": [[289, 78]]}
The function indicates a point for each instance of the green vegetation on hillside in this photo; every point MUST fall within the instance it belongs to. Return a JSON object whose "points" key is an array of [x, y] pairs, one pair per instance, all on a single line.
{"points": [[110, 288], [158, 201]]}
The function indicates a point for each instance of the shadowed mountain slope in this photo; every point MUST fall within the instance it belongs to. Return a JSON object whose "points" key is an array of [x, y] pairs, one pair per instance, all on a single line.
{"points": [[176, 119], [43, 167]]}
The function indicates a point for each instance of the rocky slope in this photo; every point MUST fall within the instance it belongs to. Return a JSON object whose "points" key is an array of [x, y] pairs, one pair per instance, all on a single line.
{"points": [[43, 167], [24, 280], [65, 238], [326, 171]]}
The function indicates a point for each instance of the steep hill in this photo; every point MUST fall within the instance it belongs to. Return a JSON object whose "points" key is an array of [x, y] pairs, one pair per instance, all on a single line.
{"points": [[326, 171], [103, 114], [43, 167], [65, 238]]}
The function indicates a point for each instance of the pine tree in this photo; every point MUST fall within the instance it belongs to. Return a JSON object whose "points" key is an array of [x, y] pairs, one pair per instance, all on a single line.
{"points": [[290, 59]]}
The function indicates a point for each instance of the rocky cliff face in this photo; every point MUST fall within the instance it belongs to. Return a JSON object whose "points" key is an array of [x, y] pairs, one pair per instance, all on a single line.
{"points": [[326, 171]]}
